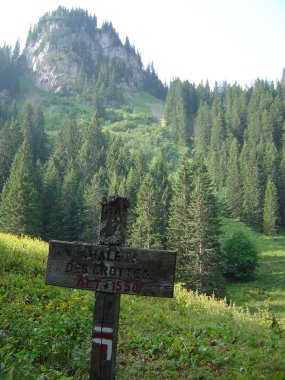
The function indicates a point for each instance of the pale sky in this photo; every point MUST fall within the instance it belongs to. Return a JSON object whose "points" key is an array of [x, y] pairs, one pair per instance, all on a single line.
{"points": [[232, 40]]}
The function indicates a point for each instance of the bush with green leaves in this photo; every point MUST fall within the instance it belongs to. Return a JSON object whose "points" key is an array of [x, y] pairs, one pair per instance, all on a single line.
{"points": [[241, 255]]}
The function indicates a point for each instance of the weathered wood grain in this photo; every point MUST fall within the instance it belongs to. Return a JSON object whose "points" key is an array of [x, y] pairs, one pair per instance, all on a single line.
{"points": [[111, 269], [107, 306]]}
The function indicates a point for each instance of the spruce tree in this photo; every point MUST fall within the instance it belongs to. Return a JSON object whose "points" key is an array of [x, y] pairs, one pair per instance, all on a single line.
{"points": [[176, 115], [40, 137], [91, 212], [10, 140], [282, 179], [202, 130], [205, 265], [217, 156], [71, 205], [51, 201], [115, 166], [145, 230], [251, 187], [92, 151], [178, 238], [271, 161], [233, 183], [20, 208], [270, 210], [159, 172], [66, 146]]}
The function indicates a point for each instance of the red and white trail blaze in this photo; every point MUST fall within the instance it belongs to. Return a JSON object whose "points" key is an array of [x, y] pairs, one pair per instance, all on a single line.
{"points": [[103, 341]]}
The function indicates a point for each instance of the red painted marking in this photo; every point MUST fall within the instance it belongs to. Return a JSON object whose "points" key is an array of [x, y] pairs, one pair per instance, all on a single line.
{"points": [[84, 283], [102, 348], [102, 335], [80, 283]]}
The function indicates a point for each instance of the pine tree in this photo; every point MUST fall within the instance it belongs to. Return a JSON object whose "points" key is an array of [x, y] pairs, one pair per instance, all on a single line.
{"points": [[176, 115], [20, 208], [233, 184], [178, 238], [10, 140], [251, 187], [202, 130], [271, 161], [40, 137], [51, 201], [205, 265], [217, 156], [71, 205], [145, 230], [71, 138], [66, 146], [270, 210], [159, 172], [115, 166], [235, 111], [282, 179], [28, 125], [91, 212], [92, 151]]}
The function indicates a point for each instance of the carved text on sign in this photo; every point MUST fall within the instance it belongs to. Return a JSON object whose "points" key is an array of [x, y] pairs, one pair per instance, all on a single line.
{"points": [[111, 269]]}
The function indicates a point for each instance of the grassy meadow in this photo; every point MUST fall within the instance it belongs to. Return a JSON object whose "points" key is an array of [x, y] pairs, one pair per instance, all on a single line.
{"points": [[45, 331]]}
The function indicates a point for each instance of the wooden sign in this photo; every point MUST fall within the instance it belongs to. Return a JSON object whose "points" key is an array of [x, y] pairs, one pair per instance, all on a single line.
{"points": [[111, 269]]}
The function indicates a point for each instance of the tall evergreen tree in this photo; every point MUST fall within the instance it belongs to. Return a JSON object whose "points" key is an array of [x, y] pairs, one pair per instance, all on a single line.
{"points": [[145, 231], [91, 212], [66, 146], [282, 179], [71, 205], [159, 172], [40, 137], [233, 184], [20, 208], [217, 156], [251, 187], [176, 115], [205, 266], [178, 237], [202, 130], [115, 166], [52, 201], [10, 140], [92, 151], [270, 209]]}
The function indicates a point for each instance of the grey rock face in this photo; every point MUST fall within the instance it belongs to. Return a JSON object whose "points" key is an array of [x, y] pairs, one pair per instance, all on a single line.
{"points": [[54, 56]]}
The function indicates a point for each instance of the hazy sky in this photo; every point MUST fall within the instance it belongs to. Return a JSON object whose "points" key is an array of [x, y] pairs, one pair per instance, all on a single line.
{"points": [[232, 40]]}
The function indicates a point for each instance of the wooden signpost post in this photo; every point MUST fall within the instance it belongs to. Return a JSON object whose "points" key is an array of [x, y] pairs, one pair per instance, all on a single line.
{"points": [[110, 269]]}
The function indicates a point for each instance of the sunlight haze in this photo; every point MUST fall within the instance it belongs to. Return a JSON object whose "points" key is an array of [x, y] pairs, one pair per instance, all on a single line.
{"points": [[232, 40]]}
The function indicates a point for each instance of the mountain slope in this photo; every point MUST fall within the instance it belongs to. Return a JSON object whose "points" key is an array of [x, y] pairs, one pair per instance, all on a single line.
{"points": [[67, 53], [188, 337]]}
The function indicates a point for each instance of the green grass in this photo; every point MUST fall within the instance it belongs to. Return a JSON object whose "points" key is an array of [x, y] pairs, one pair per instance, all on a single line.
{"points": [[56, 106], [136, 122], [143, 102], [267, 289], [45, 331]]}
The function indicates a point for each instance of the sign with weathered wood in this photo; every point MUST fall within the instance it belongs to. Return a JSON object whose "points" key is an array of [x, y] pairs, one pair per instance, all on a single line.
{"points": [[111, 269]]}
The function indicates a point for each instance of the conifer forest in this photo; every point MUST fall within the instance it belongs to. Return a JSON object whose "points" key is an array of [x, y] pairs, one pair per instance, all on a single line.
{"points": [[213, 153]]}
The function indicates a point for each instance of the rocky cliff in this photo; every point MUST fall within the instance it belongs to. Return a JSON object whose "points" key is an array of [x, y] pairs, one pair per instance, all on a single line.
{"points": [[67, 48]]}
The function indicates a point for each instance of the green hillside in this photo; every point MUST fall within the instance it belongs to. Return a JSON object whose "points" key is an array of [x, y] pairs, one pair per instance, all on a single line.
{"points": [[45, 331], [204, 171]]}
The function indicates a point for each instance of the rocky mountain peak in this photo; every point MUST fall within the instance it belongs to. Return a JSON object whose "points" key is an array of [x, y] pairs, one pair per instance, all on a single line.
{"points": [[66, 50]]}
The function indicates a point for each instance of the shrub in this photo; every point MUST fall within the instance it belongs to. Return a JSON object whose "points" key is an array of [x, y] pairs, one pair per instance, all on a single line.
{"points": [[241, 256]]}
